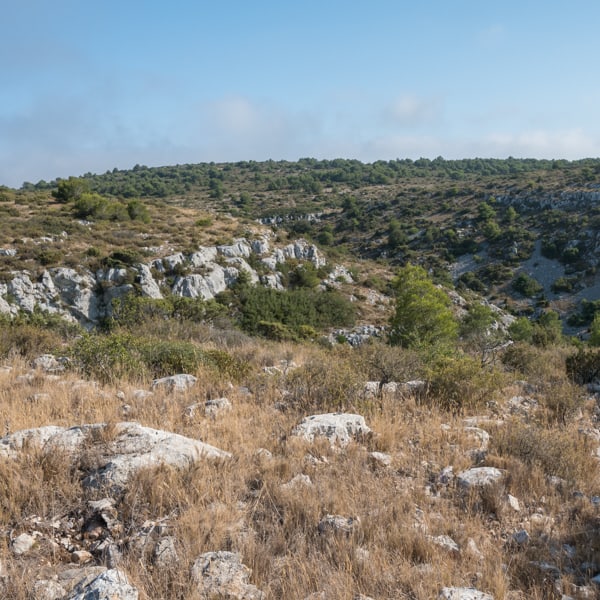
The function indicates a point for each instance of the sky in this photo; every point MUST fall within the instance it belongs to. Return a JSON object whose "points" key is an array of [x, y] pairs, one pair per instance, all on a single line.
{"points": [[87, 86]]}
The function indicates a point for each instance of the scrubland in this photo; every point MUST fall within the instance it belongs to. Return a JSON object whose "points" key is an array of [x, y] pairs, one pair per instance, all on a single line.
{"points": [[542, 436]]}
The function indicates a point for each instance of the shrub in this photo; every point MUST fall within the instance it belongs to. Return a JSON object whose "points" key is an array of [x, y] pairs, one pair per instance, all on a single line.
{"points": [[460, 382], [163, 358], [526, 285], [328, 382], [584, 366]]}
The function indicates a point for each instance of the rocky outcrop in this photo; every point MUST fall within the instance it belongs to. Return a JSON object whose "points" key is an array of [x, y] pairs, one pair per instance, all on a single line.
{"points": [[116, 452], [87, 297]]}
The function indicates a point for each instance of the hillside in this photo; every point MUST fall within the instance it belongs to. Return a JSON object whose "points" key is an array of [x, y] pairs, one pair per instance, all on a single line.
{"points": [[236, 381], [476, 223]]}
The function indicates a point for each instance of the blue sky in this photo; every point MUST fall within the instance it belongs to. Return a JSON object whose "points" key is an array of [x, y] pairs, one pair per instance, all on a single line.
{"points": [[88, 86]]}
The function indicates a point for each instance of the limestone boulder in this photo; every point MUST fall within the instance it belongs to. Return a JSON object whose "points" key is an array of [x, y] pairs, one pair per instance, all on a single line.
{"points": [[479, 477], [339, 428], [112, 584], [147, 283], [175, 383], [222, 575]]}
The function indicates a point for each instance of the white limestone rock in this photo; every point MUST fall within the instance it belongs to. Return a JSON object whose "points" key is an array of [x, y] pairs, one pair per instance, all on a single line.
{"points": [[11, 445], [260, 246], [338, 428], [222, 574], [479, 477], [205, 255], [463, 593], [239, 249], [148, 285], [110, 585], [22, 544], [76, 292], [175, 383], [205, 286], [338, 524]]}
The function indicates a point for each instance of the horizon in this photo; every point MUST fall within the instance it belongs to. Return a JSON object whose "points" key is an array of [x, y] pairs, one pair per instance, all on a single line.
{"points": [[93, 88]]}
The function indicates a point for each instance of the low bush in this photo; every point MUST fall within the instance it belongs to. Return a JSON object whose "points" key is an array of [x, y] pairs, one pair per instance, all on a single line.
{"points": [[461, 383]]}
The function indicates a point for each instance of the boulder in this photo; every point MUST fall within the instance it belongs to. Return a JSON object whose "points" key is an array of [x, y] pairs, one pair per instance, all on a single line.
{"points": [[118, 452], [112, 584], [147, 283], [338, 428], [12, 444], [175, 383], [479, 477], [222, 574], [22, 544], [76, 292], [205, 255], [205, 286], [239, 249]]}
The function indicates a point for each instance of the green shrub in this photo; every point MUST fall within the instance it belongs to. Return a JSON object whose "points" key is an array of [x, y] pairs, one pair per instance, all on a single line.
{"points": [[460, 382], [109, 358], [526, 285], [162, 358]]}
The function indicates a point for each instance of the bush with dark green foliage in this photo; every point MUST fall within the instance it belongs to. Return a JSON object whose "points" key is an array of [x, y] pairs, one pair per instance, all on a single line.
{"points": [[526, 285], [291, 309]]}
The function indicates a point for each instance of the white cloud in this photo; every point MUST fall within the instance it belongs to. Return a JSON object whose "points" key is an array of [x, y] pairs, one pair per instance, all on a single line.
{"points": [[411, 110]]}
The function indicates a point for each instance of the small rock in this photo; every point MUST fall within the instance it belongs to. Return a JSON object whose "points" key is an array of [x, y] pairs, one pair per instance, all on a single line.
{"points": [[521, 537], [473, 550], [110, 585], [47, 589], [445, 542], [81, 557], [222, 574], [463, 593], [380, 459], [23, 543], [216, 405], [513, 503], [297, 482], [165, 552], [338, 524]]}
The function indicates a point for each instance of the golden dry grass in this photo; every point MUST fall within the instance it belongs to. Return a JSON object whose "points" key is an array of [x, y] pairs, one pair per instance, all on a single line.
{"points": [[243, 504]]}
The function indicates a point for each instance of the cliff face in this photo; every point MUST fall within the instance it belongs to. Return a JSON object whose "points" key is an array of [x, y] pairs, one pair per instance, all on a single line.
{"points": [[87, 297]]}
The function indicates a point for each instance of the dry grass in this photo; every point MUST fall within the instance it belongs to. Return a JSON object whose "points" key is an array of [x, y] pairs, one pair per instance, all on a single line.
{"points": [[243, 504]]}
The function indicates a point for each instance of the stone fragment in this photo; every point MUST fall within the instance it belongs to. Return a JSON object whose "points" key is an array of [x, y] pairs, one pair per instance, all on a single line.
{"points": [[338, 524], [222, 574], [165, 553], [463, 593], [521, 537], [22, 544]]}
